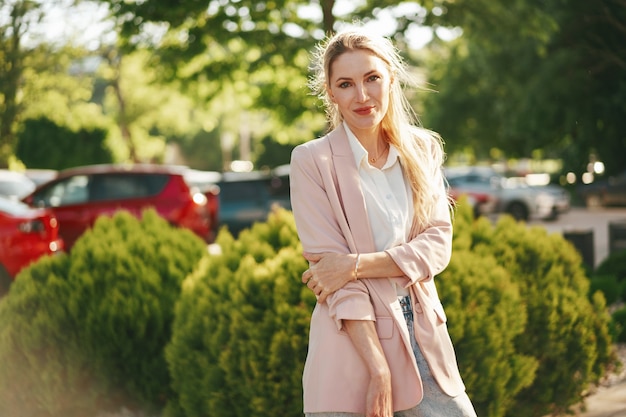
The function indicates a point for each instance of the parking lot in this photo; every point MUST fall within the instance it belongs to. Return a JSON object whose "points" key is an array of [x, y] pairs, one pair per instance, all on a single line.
{"points": [[580, 220]]}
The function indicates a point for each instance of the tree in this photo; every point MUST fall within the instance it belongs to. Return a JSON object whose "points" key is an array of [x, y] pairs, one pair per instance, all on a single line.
{"points": [[43, 144], [533, 75], [262, 47], [21, 14]]}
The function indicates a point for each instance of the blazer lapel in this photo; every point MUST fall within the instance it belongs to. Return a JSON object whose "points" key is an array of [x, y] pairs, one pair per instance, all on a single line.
{"points": [[349, 186]]}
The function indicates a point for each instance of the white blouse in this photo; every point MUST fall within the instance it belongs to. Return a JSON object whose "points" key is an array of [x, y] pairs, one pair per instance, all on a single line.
{"points": [[388, 198]]}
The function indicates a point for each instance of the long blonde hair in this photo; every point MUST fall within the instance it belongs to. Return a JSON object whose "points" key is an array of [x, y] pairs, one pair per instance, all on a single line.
{"points": [[421, 150]]}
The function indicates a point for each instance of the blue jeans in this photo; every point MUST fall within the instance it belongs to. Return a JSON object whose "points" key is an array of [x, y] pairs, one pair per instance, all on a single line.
{"points": [[436, 403]]}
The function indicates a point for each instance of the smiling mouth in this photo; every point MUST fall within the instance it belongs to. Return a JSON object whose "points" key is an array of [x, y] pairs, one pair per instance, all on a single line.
{"points": [[364, 110]]}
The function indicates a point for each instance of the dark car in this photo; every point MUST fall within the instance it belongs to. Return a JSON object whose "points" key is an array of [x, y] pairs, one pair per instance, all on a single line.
{"points": [[248, 198], [78, 196], [609, 191], [26, 234]]}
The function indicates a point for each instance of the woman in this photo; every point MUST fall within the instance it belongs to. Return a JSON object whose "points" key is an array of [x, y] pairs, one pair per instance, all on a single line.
{"points": [[374, 220]]}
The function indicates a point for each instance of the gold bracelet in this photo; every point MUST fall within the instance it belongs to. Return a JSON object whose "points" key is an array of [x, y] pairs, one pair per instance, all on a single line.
{"points": [[356, 266]]}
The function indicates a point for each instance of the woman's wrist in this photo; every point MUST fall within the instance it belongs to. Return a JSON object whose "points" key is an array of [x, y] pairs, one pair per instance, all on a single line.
{"points": [[355, 275]]}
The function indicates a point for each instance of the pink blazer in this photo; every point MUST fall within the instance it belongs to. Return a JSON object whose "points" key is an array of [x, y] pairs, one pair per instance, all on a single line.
{"points": [[330, 214]]}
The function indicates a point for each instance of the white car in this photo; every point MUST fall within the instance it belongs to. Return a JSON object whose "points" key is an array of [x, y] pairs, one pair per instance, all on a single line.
{"points": [[15, 185], [520, 200]]}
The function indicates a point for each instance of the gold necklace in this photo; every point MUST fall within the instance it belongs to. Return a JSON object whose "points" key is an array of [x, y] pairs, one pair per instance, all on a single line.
{"points": [[373, 160]]}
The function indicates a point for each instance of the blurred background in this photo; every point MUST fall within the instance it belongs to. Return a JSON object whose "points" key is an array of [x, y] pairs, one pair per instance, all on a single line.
{"points": [[525, 86]]}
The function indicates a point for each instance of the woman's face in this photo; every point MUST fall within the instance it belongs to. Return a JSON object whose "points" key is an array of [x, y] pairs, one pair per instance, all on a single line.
{"points": [[359, 85]]}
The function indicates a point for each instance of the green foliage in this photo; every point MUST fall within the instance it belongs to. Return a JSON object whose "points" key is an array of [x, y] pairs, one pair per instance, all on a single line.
{"points": [[529, 339], [486, 314], [566, 333], [241, 327], [532, 75], [614, 264], [273, 153], [44, 144], [608, 285], [109, 325], [619, 321], [85, 332], [18, 16]]}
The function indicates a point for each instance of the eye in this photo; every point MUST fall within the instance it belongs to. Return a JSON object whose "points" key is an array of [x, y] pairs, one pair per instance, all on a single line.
{"points": [[373, 78], [344, 84]]}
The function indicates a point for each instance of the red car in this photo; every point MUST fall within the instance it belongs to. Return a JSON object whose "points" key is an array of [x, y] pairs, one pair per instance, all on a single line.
{"points": [[26, 234], [78, 196]]}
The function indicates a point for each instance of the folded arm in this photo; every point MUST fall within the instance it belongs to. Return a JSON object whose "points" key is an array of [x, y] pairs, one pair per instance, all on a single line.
{"points": [[420, 259]]}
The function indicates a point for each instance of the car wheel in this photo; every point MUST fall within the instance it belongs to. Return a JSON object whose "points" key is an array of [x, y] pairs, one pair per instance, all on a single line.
{"points": [[518, 211], [5, 281]]}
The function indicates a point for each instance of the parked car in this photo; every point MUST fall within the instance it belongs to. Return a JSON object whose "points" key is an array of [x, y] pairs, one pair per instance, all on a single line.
{"points": [[78, 196], [15, 185], [207, 183], [247, 198], [26, 234], [562, 197], [521, 201], [40, 176], [609, 191], [483, 204]]}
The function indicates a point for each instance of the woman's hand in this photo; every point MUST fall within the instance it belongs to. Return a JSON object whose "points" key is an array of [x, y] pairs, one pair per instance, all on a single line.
{"points": [[379, 402], [328, 272]]}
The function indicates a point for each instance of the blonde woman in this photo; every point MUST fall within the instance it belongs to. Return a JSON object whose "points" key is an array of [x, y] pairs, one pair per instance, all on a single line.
{"points": [[373, 217]]}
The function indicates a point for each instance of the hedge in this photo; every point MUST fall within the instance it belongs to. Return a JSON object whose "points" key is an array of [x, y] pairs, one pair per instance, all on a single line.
{"points": [[528, 338], [85, 332], [564, 345], [141, 315], [241, 327]]}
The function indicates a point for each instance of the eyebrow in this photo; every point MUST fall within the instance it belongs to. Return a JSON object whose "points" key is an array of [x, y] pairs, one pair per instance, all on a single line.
{"points": [[367, 74]]}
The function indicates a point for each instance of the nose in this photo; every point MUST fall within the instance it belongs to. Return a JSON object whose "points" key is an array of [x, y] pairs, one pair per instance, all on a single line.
{"points": [[361, 93]]}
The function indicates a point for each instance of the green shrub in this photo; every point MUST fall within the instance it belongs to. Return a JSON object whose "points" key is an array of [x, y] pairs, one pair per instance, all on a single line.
{"points": [[529, 339], [241, 327], [614, 264], [619, 323], [485, 316], [85, 332], [566, 333], [607, 285]]}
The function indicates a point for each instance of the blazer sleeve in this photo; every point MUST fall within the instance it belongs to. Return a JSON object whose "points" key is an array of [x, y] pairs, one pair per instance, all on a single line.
{"points": [[322, 227], [428, 253]]}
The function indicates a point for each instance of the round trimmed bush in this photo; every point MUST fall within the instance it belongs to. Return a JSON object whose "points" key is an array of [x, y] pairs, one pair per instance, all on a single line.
{"points": [[85, 332], [486, 314], [529, 340], [566, 333], [241, 327]]}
